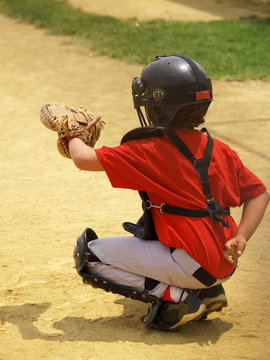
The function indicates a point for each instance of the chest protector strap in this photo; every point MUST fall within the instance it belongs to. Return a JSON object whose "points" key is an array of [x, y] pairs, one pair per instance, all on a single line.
{"points": [[201, 165], [145, 228]]}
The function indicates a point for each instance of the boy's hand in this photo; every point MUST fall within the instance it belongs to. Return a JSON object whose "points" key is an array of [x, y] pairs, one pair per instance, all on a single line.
{"points": [[234, 248]]}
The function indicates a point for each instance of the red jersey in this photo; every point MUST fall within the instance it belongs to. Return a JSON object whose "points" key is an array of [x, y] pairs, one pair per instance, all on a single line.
{"points": [[156, 166]]}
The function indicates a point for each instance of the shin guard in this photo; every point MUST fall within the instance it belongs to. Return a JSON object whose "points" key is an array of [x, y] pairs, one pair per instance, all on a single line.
{"points": [[82, 255]]}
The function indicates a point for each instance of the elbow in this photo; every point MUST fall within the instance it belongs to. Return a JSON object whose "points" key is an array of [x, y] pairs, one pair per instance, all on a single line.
{"points": [[87, 160], [84, 157], [264, 198], [267, 196], [79, 161]]}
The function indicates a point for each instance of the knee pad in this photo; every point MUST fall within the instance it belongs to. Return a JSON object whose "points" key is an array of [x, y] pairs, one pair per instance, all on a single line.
{"points": [[81, 252], [82, 255]]}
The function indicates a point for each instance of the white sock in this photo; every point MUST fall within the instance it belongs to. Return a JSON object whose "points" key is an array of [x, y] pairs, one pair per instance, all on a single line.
{"points": [[177, 294]]}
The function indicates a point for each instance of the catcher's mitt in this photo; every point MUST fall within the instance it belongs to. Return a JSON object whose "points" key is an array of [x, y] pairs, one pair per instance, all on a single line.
{"points": [[70, 122]]}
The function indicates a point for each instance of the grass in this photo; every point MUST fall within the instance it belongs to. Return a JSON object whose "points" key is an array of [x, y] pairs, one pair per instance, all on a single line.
{"points": [[233, 50]]}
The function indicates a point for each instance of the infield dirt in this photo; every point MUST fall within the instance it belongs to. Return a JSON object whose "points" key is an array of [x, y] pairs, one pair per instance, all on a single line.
{"points": [[46, 312]]}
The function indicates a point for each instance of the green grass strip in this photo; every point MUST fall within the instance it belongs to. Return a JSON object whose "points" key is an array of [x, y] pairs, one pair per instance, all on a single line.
{"points": [[230, 50]]}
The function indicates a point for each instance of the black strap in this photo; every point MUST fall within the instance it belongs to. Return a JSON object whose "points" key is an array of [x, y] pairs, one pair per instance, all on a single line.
{"points": [[142, 133], [198, 74], [145, 228], [181, 146], [98, 281], [176, 210], [204, 277], [201, 165], [209, 146], [150, 284]]}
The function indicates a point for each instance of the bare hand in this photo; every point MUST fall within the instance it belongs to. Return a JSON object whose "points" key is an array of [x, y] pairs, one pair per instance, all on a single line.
{"points": [[234, 248]]}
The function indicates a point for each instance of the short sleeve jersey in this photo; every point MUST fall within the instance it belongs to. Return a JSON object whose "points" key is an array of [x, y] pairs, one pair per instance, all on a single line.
{"points": [[156, 166]]}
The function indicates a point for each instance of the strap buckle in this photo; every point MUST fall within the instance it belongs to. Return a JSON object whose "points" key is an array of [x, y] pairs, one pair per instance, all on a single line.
{"points": [[148, 205], [214, 209]]}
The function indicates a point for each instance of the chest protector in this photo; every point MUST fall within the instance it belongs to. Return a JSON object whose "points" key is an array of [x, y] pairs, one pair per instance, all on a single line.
{"points": [[145, 228]]}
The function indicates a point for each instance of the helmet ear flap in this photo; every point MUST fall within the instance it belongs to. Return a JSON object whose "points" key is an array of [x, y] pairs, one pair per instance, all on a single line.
{"points": [[155, 111]]}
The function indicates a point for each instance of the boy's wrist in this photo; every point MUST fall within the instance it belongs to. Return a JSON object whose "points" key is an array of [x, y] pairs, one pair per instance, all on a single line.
{"points": [[241, 235]]}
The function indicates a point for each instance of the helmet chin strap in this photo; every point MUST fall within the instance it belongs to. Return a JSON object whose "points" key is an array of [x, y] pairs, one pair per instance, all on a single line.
{"points": [[143, 122]]}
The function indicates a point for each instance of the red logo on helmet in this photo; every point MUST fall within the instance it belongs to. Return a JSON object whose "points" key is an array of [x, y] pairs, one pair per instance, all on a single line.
{"points": [[202, 95]]}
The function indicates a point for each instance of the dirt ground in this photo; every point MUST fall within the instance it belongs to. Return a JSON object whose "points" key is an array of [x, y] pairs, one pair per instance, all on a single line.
{"points": [[46, 312], [194, 10]]}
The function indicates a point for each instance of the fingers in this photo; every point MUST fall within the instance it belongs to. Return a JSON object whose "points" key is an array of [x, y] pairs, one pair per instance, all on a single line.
{"points": [[241, 247], [229, 252], [228, 246], [93, 123], [233, 249], [231, 260]]}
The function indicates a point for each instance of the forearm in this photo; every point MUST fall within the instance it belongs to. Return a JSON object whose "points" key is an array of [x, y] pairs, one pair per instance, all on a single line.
{"points": [[252, 215], [83, 156]]}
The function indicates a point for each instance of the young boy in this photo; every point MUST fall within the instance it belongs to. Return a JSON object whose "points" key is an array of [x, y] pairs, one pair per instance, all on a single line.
{"points": [[186, 244]]}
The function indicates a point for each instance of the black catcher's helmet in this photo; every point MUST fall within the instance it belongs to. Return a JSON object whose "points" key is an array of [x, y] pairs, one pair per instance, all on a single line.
{"points": [[167, 84]]}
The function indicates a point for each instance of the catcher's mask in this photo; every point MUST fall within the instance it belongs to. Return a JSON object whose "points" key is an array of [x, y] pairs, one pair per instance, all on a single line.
{"points": [[166, 85]]}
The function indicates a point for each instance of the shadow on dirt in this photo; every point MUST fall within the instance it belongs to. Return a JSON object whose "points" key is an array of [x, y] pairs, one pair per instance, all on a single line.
{"points": [[126, 327]]}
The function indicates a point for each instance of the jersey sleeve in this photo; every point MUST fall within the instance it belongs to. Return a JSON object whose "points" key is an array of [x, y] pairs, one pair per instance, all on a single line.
{"points": [[126, 165], [250, 185], [140, 165]]}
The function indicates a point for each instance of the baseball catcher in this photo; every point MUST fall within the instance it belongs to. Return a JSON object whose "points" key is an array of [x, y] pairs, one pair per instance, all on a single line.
{"points": [[186, 244], [70, 122]]}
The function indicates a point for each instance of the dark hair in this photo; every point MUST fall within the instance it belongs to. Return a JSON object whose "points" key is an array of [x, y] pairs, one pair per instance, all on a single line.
{"points": [[190, 116]]}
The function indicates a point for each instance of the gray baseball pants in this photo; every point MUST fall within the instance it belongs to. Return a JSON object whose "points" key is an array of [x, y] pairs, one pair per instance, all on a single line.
{"points": [[131, 261]]}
